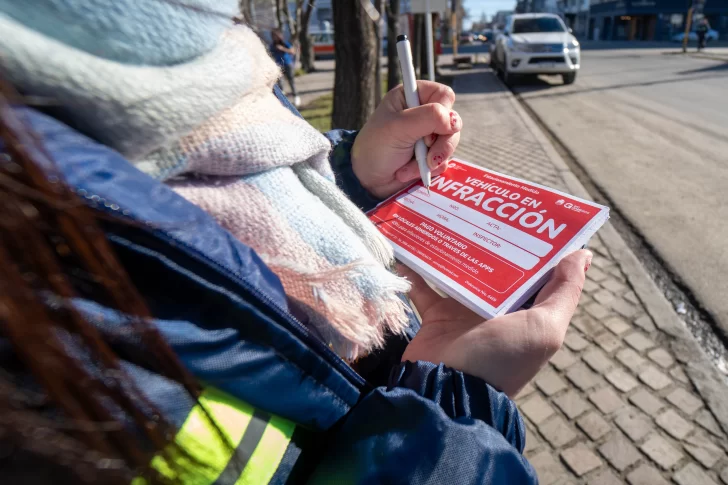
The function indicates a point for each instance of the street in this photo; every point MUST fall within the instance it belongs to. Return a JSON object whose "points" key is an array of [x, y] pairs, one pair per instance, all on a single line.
{"points": [[612, 406], [650, 130], [649, 127], [631, 397]]}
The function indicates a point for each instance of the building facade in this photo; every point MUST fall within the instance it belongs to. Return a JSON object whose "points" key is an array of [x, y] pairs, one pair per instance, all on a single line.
{"points": [[576, 15], [537, 6], [322, 17], [650, 20]]}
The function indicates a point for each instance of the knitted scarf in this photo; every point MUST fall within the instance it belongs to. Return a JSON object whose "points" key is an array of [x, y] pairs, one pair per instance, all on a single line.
{"points": [[211, 127]]}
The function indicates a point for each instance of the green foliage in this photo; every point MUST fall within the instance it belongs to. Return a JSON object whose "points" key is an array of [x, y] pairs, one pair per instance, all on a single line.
{"points": [[318, 113]]}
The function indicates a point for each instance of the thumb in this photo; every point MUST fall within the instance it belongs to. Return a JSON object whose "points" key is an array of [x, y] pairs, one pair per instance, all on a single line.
{"points": [[421, 294], [560, 296]]}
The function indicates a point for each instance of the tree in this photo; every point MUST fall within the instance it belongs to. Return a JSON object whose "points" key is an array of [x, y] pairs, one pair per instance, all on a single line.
{"points": [[456, 13], [480, 24], [281, 11], [378, 59], [305, 40], [355, 55], [245, 11], [393, 75]]}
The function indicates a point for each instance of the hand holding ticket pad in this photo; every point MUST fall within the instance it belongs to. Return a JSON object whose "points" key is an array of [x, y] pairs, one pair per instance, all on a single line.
{"points": [[485, 239]]}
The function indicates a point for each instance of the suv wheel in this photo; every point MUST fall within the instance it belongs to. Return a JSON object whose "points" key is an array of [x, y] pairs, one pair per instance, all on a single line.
{"points": [[569, 78], [507, 77]]}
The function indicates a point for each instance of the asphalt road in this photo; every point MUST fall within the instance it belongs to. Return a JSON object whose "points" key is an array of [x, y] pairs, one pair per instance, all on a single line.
{"points": [[651, 129]]}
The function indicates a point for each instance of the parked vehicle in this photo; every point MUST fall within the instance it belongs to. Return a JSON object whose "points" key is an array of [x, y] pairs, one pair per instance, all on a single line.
{"points": [[466, 38], [535, 44], [487, 36], [693, 36], [323, 44]]}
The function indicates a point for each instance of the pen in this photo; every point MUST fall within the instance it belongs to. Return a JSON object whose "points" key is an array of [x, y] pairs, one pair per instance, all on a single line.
{"points": [[404, 53]]}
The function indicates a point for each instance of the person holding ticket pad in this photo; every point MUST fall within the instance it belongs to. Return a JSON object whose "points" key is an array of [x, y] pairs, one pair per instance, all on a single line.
{"points": [[193, 230]]}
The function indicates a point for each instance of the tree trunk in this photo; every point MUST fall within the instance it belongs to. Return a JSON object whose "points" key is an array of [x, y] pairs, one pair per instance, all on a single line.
{"points": [[295, 30], [424, 66], [306, 43], [245, 11], [307, 55], [378, 59], [393, 74], [287, 20], [416, 42], [279, 14], [355, 55]]}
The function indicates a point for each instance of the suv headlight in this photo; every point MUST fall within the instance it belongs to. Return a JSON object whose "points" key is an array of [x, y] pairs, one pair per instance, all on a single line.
{"points": [[573, 45], [518, 46]]}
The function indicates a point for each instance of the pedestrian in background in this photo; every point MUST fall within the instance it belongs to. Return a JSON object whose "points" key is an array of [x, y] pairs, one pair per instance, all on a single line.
{"points": [[283, 53], [702, 30]]}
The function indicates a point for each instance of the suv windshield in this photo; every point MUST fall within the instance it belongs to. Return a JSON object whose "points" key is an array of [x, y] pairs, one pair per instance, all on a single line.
{"points": [[537, 24]]}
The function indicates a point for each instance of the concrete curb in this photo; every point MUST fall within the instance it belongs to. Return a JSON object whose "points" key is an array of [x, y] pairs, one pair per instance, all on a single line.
{"points": [[703, 375]]}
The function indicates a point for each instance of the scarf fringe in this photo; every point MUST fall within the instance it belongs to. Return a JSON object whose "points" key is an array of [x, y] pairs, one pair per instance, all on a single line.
{"points": [[357, 330]]}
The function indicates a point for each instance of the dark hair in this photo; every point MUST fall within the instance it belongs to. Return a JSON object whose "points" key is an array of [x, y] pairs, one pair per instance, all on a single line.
{"points": [[276, 35], [53, 250]]}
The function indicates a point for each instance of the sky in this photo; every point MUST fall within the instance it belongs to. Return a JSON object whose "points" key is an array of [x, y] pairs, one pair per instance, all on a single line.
{"points": [[489, 7]]}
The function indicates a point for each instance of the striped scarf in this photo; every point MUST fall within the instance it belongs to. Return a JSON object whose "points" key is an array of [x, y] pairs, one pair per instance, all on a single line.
{"points": [[212, 129]]}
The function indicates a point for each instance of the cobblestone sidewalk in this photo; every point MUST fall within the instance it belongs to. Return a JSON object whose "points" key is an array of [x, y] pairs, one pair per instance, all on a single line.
{"points": [[614, 405]]}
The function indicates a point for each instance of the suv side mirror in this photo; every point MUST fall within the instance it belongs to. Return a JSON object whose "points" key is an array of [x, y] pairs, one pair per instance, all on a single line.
{"points": [[571, 31]]}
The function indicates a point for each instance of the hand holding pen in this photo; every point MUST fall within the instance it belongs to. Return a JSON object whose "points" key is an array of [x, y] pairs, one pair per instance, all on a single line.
{"points": [[383, 154], [409, 83]]}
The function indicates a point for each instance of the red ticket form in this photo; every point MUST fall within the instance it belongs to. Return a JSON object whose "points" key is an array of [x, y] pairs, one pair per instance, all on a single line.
{"points": [[484, 238]]}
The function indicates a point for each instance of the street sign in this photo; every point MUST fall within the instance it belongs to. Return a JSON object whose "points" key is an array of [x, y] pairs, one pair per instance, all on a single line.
{"points": [[420, 6]]}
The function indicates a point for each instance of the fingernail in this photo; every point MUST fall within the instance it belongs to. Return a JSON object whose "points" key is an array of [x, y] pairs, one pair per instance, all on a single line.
{"points": [[437, 160], [588, 262], [454, 120]]}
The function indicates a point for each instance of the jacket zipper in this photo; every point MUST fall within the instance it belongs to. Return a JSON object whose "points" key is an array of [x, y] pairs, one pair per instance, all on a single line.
{"points": [[296, 327]]}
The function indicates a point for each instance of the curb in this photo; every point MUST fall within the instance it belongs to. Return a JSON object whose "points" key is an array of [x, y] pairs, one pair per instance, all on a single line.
{"points": [[701, 372]]}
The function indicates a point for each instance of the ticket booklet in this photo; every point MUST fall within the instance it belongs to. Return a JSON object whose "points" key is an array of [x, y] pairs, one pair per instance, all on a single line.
{"points": [[486, 239]]}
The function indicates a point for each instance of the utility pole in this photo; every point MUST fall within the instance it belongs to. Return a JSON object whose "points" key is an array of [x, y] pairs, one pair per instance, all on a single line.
{"points": [[428, 43], [688, 24], [696, 7], [454, 26]]}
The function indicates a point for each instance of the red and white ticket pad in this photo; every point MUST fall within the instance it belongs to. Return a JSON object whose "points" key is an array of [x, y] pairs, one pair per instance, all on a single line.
{"points": [[486, 239]]}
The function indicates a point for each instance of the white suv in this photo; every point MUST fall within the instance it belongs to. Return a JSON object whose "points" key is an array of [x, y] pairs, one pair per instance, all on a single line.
{"points": [[535, 44]]}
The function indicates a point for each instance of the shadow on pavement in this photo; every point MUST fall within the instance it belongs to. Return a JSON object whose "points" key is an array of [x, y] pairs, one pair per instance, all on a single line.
{"points": [[301, 92], [625, 85], [533, 83], [717, 67], [622, 45], [479, 80]]}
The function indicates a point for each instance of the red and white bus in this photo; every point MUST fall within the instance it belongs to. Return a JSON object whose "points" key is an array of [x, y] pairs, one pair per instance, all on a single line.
{"points": [[323, 44]]}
